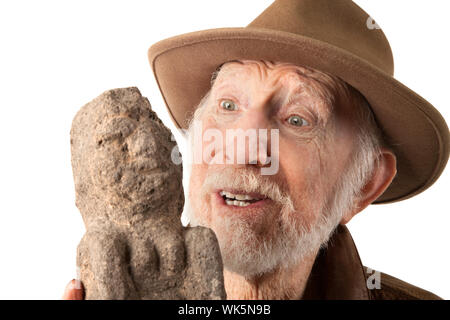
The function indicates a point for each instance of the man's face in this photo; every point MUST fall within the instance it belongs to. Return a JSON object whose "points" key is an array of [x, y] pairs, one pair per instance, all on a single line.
{"points": [[284, 216]]}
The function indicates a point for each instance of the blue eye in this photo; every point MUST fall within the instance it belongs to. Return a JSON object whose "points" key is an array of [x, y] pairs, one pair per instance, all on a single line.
{"points": [[228, 105], [297, 121]]}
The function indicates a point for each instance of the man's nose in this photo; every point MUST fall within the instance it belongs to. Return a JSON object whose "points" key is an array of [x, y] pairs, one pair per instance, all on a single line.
{"points": [[248, 140]]}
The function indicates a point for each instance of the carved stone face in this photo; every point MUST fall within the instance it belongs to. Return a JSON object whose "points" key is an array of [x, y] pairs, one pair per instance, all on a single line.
{"points": [[121, 158], [131, 161]]}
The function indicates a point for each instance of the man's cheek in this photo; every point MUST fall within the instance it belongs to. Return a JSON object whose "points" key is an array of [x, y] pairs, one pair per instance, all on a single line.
{"points": [[307, 191]]}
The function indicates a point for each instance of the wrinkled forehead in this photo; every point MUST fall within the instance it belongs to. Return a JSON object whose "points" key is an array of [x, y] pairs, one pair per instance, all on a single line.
{"points": [[261, 69], [288, 78], [277, 73]]}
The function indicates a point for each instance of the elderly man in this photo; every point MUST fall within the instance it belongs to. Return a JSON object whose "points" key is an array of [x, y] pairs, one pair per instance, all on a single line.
{"points": [[346, 135]]}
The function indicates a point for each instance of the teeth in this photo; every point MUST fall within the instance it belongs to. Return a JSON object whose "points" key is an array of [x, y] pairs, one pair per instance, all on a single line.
{"points": [[241, 203], [236, 203], [230, 195], [241, 197]]}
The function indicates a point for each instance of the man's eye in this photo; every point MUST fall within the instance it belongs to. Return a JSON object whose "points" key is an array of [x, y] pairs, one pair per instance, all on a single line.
{"points": [[297, 121], [228, 105]]}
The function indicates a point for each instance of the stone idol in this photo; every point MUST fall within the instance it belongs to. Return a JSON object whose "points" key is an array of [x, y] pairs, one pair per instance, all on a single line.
{"points": [[130, 196]]}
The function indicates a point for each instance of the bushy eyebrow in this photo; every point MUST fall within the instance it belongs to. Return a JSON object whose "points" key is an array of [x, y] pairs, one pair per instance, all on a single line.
{"points": [[293, 97], [316, 106], [296, 95]]}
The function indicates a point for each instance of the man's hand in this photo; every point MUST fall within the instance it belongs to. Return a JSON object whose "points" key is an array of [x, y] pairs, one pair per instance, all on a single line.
{"points": [[74, 291]]}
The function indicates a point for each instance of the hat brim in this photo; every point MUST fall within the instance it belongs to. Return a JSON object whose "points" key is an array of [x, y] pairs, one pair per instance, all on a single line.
{"points": [[417, 132]]}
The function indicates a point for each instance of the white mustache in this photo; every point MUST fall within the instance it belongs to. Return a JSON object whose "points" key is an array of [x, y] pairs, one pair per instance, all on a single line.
{"points": [[247, 181]]}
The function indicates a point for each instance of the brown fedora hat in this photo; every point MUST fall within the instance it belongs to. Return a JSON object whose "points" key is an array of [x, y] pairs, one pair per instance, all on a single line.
{"points": [[334, 36]]}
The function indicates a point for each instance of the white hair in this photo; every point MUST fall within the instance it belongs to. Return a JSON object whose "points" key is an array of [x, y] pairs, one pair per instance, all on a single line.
{"points": [[294, 240]]}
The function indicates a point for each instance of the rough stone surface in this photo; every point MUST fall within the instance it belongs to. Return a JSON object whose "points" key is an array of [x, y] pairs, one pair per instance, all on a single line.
{"points": [[130, 196]]}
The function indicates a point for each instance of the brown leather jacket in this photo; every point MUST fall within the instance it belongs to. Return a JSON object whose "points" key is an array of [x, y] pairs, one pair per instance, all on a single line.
{"points": [[339, 274]]}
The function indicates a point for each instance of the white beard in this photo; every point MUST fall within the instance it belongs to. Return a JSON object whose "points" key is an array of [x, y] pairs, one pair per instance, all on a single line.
{"points": [[248, 253], [245, 253]]}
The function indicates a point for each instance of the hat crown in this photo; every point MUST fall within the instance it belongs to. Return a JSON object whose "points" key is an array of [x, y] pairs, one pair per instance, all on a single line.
{"points": [[338, 22]]}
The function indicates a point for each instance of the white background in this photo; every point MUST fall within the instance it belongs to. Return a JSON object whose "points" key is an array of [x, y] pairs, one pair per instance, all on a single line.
{"points": [[56, 56]]}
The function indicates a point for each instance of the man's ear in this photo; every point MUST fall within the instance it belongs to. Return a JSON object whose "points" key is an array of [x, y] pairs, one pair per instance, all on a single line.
{"points": [[381, 178]]}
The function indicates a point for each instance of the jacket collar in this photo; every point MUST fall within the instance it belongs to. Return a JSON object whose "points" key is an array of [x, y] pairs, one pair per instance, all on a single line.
{"points": [[337, 272]]}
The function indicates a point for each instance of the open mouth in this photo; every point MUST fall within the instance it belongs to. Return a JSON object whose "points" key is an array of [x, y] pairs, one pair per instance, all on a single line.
{"points": [[240, 199]]}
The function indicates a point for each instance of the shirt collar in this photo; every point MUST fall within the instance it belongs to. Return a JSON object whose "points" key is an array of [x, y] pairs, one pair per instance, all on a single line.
{"points": [[337, 272]]}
